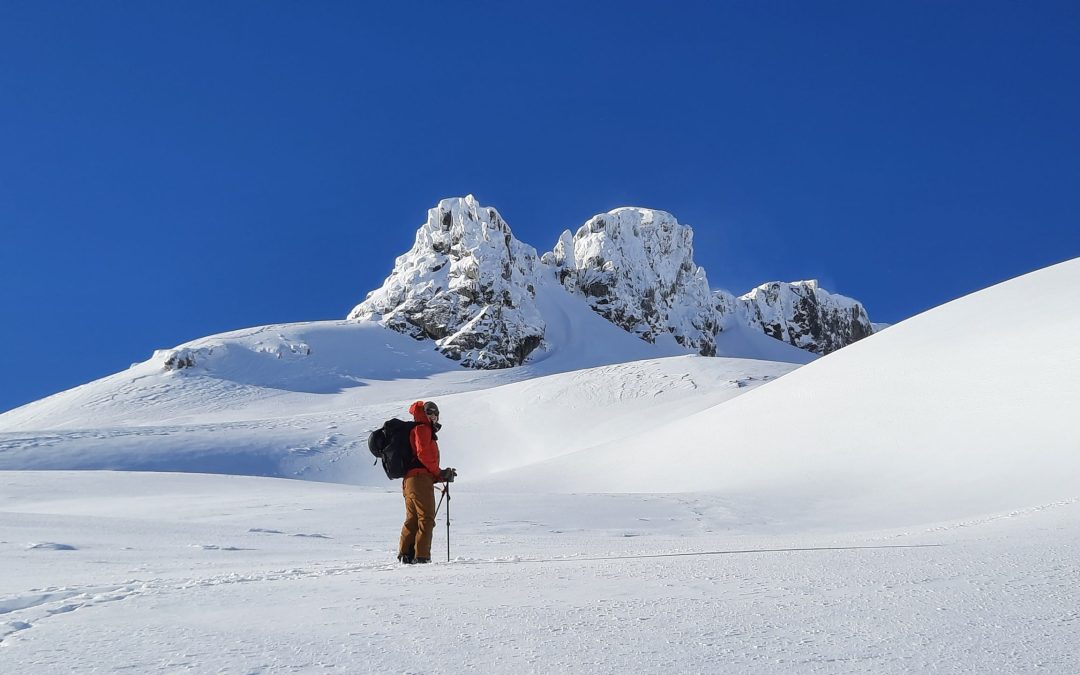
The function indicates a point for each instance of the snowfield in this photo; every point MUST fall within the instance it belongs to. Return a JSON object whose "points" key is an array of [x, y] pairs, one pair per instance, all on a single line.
{"points": [[952, 413], [180, 572], [907, 504], [298, 400]]}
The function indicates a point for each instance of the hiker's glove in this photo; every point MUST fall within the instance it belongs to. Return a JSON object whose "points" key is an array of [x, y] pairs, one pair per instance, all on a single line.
{"points": [[448, 475]]}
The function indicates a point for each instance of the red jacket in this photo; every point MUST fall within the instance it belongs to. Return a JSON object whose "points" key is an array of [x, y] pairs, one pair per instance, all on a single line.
{"points": [[424, 444]]}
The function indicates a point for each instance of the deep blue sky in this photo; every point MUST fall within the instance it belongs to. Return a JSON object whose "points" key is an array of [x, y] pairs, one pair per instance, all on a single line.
{"points": [[173, 170]]}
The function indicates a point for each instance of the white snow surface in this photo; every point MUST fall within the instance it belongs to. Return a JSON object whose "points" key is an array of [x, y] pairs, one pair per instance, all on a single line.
{"points": [[298, 400], [952, 412], [906, 504], [194, 573]]}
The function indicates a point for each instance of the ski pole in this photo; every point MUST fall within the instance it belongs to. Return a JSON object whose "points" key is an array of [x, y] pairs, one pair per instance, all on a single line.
{"points": [[446, 490]]}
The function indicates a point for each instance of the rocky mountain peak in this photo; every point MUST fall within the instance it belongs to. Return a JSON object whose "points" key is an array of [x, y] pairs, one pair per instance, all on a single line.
{"points": [[468, 284], [805, 315], [635, 266]]}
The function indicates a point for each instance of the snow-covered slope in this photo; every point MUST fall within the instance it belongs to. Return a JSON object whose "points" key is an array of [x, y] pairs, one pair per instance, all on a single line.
{"points": [[952, 412], [298, 400], [906, 504], [120, 572]]}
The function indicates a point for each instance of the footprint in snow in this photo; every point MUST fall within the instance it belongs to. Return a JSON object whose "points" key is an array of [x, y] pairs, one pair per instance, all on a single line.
{"points": [[313, 536], [215, 547], [9, 627], [51, 546], [265, 531], [38, 605]]}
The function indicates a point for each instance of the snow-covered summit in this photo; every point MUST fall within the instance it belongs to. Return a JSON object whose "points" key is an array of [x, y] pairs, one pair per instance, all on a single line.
{"points": [[635, 267], [805, 315], [468, 284]]}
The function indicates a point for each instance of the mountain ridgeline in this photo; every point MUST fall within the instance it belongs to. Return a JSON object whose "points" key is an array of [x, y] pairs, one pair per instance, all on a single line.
{"points": [[468, 285]]}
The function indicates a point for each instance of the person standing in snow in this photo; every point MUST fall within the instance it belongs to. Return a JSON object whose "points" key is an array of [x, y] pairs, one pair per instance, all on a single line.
{"points": [[418, 487]]}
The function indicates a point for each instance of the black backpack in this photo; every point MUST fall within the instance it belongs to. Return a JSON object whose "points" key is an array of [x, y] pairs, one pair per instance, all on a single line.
{"points": [[390, 443]]}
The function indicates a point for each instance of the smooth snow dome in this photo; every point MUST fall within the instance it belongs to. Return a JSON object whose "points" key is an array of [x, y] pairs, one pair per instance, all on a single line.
{"points": [[964, 409]]}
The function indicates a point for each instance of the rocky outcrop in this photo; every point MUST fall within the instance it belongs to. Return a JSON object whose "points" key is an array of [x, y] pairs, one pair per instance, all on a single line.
{"points": [[179, 359], [467, 284], [804, 315], [470, 286], [635, 267], [274, 346]]}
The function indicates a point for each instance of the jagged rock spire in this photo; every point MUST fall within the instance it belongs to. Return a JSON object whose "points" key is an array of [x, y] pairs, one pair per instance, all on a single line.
{"points": [[803, 314], [636, 268], [468, 284]]}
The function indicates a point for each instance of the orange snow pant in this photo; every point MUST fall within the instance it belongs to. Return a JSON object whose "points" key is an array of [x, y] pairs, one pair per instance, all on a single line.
{"points": [[419, 525]]}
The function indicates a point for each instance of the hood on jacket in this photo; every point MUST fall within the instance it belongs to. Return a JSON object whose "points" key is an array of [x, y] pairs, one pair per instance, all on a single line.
{"points": [[418, 414]]}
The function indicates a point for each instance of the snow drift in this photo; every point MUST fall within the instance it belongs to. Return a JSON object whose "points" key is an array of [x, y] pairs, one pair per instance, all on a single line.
{"points": [[951, 412]]}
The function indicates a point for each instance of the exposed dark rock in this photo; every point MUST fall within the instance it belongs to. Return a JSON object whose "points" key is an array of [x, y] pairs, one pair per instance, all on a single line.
{"points": [[482, 312]]}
